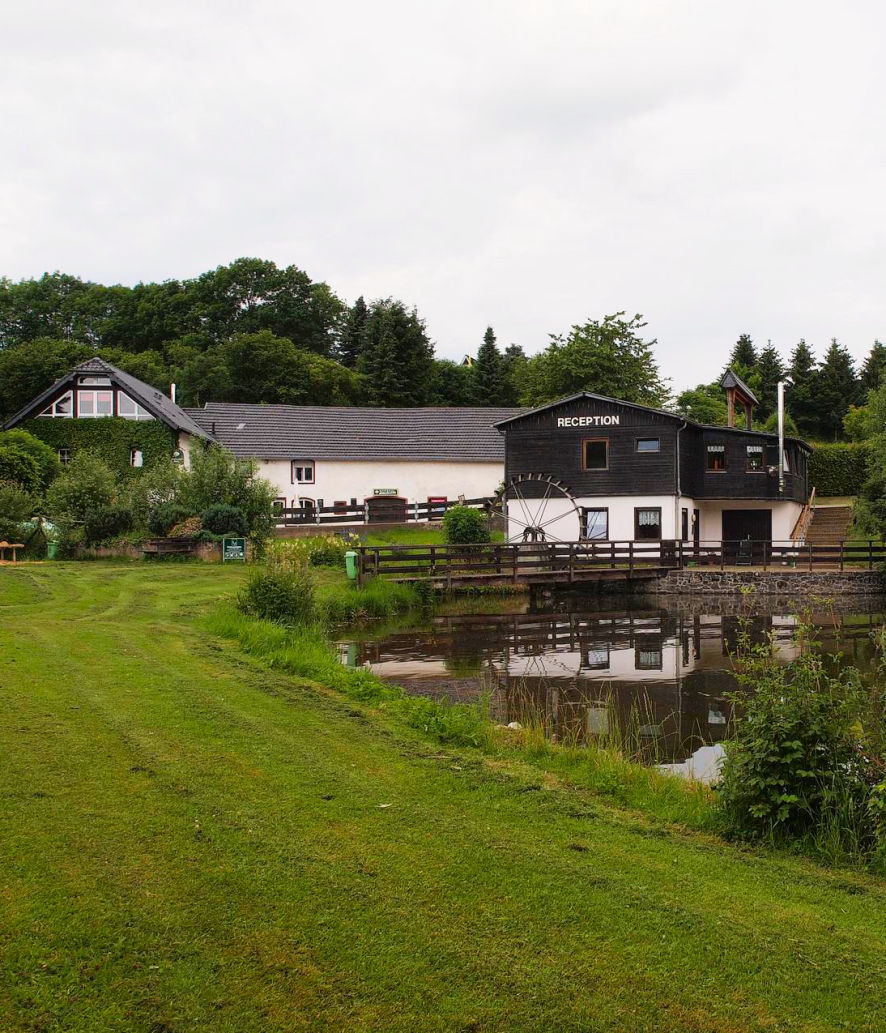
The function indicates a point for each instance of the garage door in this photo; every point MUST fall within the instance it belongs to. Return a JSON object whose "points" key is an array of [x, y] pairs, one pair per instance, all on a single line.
{"points": [[745, 530]]}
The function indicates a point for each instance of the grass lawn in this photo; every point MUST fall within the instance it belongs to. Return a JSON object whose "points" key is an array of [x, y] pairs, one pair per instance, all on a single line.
{"points": [[189, 841]]}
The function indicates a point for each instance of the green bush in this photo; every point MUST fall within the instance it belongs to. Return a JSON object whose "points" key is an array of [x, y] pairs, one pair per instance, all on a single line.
{"points": [[223, 519], [19, 467], [802, 764], [279, 590], [166, 516], [106, 523], [45, 458], [465, 526], [839, 469], [83, 488], [16, 506]]}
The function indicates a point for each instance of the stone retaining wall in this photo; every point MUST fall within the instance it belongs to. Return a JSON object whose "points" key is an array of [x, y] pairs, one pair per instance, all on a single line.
{"points": [[794, 583]]}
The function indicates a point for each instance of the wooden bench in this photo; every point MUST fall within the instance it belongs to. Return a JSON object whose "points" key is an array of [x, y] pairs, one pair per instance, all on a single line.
{"points": [[11, 546], [169, 547]]}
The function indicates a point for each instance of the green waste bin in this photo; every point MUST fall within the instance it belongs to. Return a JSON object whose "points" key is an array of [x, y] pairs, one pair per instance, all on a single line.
{"points": [[351, 564], [52, 550]]}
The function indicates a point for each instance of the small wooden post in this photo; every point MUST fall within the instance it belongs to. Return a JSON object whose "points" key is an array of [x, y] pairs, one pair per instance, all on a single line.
{"points": [[361, 561], [631, 555], [516, 549], [376, 562], [722, 555], [765, 554], [870, 555], [433, 560], [841, 555], [810, 557], [571, 563]]}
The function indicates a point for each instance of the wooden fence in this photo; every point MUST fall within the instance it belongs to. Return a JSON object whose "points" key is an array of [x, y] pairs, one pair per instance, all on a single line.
{"points": [[372, 511], [583, 561]]}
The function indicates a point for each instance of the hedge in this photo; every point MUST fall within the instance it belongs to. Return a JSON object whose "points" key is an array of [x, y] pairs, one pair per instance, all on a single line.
{"points": [[839, 469], [110, 438]]}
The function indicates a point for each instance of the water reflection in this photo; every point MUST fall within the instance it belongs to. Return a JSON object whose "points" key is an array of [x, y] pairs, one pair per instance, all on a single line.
{"points": [[651, 677]]}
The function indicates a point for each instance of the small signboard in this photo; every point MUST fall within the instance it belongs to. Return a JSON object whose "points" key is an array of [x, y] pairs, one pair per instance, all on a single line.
{"points": [[385, 491], [234, 549]]}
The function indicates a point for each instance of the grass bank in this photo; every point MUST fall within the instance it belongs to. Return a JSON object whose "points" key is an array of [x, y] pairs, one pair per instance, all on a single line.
{"points": [[191, 839]]}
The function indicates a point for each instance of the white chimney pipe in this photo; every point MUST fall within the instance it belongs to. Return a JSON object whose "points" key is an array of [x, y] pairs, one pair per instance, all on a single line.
{"points": [[781, 386], [172, 392]]}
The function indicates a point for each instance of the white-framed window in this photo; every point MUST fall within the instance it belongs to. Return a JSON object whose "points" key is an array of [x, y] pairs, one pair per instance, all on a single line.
{"points": [[130, 409], [136, 457], [92, 404], [63, 406], [596, 523], [94, 381], [302, 471], [755, 458], [64, 456]]}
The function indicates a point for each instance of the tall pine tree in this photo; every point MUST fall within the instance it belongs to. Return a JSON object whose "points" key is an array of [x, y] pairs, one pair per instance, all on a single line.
{"points": [[397, 357], [744, 355], [351, 343], [874, 368], [770, 369], [801, 400], [488, 371], [836, 388]]}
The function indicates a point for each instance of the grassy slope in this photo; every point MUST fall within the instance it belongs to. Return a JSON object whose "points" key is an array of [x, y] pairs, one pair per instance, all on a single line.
{"points": [[188, 842]]}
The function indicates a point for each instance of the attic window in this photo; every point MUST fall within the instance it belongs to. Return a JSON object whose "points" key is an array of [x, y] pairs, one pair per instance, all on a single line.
{"points": [[302, 471], [63, 406], [94, 381], [95, 404], [131, 410]]}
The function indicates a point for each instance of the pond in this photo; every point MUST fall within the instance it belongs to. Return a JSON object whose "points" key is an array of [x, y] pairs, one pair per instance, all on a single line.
{"points": [[650, 674]]}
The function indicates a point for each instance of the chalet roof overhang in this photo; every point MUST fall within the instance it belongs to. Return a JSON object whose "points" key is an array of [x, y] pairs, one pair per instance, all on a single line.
{"points": [[502, 425], [150, 398]]}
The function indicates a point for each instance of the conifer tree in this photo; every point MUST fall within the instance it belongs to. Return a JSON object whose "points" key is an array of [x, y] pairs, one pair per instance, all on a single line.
{"points": [[488, 371], [397, 358], [874, 368], [744, 355], [770, 369], [351, 344], [800, 399], [836, 388]]}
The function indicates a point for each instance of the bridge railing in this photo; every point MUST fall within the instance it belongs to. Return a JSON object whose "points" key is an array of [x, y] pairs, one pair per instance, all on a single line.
{"points": [[568, 561]]}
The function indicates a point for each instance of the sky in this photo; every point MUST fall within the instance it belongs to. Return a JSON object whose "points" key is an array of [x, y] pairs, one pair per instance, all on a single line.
{"points": [[718, 167]]}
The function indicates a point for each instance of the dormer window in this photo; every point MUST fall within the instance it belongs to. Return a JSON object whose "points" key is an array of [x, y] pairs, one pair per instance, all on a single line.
{"points": [[61, 407]]}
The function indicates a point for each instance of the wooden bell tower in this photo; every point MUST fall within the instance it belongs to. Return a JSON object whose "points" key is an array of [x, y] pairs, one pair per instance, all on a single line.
{"points": [[738, 394]]}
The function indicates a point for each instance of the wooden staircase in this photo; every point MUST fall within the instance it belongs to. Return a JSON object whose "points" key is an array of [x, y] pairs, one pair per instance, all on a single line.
{"points": [[829, 525]]}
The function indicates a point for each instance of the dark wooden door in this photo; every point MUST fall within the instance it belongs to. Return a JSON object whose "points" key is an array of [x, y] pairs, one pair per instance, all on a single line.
{"points": [[385, 509], [745, 531]]}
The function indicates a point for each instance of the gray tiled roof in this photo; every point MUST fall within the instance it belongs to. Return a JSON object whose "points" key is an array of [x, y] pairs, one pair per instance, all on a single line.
{"points": [[334, 432]]}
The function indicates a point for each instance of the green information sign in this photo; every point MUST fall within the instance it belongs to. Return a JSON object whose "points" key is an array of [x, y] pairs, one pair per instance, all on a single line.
{"points": [[385, 491], [234, 549]]}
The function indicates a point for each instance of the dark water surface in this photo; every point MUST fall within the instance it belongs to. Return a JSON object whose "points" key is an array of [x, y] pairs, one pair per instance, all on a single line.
{"points": [[651, 673]]}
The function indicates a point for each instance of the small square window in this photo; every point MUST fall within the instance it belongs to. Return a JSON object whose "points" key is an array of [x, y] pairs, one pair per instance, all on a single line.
{"points": [[648, 445], [716, 458], [136, 457], [647, 524], [302, 471], [64, 456], [755, 458], [596, 454]]}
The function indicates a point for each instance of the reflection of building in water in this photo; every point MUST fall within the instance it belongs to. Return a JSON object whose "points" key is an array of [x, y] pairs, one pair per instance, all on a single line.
{"points": [[660, 676]]}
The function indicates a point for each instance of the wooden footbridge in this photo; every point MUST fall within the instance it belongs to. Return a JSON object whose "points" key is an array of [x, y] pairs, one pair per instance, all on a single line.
{"points": [[548, 563]]}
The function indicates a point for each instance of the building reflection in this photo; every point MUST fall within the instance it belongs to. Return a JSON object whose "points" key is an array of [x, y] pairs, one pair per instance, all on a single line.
{"points": [[650, 680]]}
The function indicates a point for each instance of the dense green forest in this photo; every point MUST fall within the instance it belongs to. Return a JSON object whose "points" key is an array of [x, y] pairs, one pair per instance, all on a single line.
{"points": [[253, 332]]}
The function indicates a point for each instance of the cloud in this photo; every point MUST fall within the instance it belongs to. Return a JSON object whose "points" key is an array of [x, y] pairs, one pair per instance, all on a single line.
{"points": [[529, 165]]}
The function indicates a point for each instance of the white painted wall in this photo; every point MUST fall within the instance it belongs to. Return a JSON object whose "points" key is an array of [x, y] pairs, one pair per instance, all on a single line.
{"points": [[784, 517], [343, 481]]}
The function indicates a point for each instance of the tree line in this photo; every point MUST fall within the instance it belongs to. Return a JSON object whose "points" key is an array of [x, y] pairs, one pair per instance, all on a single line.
{"points": [[253, 332]]}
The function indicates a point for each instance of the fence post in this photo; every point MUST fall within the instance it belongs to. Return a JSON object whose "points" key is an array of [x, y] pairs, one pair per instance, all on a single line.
{"points": [[765, 554], [571, 562], [516, 549], [433, 561], [810, 557], [376, 562], [631, 555], [680, 554], [361, 556], [722, 556], [870, 554], [841, 555]]}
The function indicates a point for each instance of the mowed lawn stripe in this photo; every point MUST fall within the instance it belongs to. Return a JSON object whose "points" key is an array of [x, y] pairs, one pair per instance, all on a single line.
{"points": [[192, 842]]}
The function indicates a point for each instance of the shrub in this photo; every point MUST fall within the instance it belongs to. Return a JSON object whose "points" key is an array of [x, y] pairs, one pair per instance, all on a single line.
{"points": [[85, 487], [16, 506], [799, 766], [106, 523], [189, 528], [839, 469], [224, 519], [45, 460], [166, 516], [280, 590], [153, 487], [19, 467], [464, 526]]}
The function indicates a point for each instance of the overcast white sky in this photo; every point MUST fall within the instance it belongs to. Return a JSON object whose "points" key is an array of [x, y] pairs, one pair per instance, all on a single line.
{"points": [[716, 166]]}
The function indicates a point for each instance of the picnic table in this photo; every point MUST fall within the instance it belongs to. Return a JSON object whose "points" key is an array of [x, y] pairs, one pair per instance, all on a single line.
{"points": [[9, 545]]}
